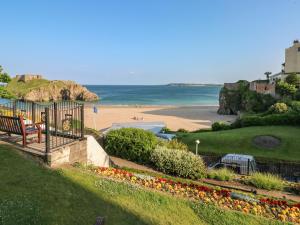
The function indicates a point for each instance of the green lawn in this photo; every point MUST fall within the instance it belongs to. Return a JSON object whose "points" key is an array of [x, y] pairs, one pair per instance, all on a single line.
{"points": [[32, 194], [240, 141]]}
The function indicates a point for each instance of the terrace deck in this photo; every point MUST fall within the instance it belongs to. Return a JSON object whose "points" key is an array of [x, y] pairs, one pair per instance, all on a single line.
{"points": [[34, 147]]}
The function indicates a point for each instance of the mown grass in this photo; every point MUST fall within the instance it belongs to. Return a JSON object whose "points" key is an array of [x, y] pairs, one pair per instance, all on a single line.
{"points": [[32, 194], [266, 181], [240, 141]]}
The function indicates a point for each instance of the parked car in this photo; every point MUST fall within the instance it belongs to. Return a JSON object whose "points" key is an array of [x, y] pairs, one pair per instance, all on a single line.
{"points": [[241, 164]]}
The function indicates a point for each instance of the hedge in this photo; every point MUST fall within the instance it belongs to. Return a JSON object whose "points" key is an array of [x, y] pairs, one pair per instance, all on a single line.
{"points": [[131, 143], [273, 119]]}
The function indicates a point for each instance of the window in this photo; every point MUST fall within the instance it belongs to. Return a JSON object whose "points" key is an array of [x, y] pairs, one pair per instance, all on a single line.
{"points": [[299, 49]]}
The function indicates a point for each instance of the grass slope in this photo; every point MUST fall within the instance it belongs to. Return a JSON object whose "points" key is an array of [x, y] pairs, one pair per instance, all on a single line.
{"points": [[19, 89], [240, 141], [32, 194]]}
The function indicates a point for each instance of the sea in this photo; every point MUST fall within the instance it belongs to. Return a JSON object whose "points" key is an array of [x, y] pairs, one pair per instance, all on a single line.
{"points": [[157, 94]]}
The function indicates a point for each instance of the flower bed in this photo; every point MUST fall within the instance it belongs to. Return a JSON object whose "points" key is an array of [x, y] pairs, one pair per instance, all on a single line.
{"points": [[270, 208]]}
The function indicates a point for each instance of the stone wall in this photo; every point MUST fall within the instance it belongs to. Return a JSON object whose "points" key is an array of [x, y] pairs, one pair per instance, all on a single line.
{"points": [[231, 86], [68, 154], [28, 77]]}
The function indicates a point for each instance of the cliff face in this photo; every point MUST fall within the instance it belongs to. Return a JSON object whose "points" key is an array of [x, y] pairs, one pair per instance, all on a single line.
{"points": [[231, 97], [44, 90], [229, 102]]}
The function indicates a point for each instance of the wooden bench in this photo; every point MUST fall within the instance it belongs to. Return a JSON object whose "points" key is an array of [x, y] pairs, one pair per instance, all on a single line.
{"points": [[16, 125]]}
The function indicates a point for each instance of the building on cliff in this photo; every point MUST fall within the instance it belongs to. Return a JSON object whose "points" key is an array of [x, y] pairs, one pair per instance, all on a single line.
{"points": [[262, 87], [291, 64], [28, 77]]}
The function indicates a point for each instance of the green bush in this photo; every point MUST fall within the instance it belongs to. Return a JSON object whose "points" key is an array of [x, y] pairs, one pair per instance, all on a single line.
{"points": [[256, 102], [4, 93], [174, 144], [131, 143], [216, 126], [295, 106], [166, 130], [292, 79], [177, 162], [279, 108], [221, 174], [285, 89], [182, 130], [266, 181]]}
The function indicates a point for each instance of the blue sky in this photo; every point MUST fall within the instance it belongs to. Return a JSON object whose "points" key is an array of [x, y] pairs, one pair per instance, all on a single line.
{"points": [[147, 41]]}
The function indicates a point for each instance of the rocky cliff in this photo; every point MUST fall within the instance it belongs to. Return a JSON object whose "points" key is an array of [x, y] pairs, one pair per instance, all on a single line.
{"points": [[237, 97], [44, 90], [229, 102]]}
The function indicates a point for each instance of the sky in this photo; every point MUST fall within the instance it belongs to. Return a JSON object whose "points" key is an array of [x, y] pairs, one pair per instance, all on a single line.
{"points": [[147, 41]]}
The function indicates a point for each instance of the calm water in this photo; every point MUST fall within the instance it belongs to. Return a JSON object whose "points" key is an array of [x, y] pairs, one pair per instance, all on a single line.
{"points": [[156, 94]]}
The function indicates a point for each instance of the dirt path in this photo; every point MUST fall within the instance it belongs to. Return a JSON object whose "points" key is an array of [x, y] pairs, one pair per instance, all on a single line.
{"points": [[242, 187], [125, 163]]}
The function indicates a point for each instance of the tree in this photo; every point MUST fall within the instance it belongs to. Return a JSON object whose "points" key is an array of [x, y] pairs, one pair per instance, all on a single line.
{"points": [[292, 79], [4, 77], [285, 89], [268, 75]]}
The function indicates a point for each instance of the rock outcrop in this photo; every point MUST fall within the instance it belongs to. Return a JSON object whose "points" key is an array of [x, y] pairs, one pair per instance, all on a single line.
{"points": [[231, 99], [60, 90], [227, 102]]}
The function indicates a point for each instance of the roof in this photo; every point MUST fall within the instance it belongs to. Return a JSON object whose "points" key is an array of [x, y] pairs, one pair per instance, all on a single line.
{"points": [[238, 157]]}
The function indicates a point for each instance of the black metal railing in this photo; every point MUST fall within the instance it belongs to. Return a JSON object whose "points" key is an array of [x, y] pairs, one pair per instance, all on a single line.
{"points": [[61, 122]]}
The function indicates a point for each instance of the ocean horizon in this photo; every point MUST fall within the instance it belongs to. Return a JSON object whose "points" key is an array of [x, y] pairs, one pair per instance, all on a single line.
{"points": [[202, 95]]}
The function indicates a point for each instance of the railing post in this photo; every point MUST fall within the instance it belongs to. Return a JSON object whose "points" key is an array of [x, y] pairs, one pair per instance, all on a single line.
{"points": [[82, 121], [33, 112], [14, 107], [47, 129], [55, 118], [248, 167]]}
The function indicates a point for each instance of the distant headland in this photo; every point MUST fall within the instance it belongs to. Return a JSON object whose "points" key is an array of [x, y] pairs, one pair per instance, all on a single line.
{"points": [[192, 84]]}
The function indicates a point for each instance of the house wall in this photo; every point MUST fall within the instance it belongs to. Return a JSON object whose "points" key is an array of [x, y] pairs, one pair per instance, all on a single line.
{"points": [[292, 59], [263, 88]]}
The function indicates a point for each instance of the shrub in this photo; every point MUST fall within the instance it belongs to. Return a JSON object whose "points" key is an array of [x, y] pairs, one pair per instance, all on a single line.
{"points": [[177, 162], [292, 79], [166, 130], [131, 143], [279, 108], [266, 181], [220, 126], [4, 93], [295, 106], [221, 174], [174, 144], [182, 130], [285, 89], [256, 102]]}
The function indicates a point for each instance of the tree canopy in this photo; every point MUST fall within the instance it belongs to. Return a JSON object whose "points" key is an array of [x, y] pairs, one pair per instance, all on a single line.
{"points": [[292, 79], [4, 77]]}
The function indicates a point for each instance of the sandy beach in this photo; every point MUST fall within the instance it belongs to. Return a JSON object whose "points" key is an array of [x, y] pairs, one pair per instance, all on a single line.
{"points": [[175, 117]]}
